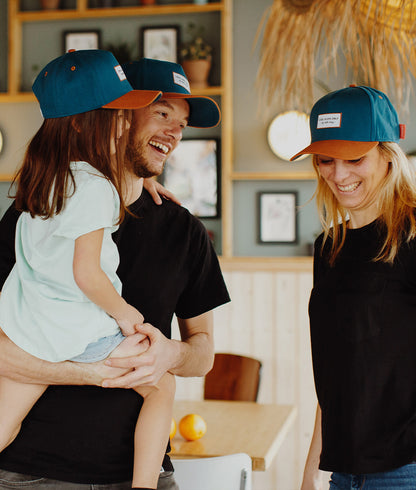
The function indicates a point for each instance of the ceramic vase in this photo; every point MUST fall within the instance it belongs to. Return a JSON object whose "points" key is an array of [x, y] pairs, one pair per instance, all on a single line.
{"points": [[49, 4], [197, 72]]}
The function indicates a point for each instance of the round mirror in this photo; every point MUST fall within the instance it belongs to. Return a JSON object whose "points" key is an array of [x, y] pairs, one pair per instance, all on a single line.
{"points": [[289, 133]]}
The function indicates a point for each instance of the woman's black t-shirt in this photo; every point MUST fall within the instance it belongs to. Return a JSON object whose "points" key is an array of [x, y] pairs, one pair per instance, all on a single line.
{"points": [[363, 335]]}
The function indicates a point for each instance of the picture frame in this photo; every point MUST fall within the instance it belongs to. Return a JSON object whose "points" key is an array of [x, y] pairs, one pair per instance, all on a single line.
{"points": [[160, 42], [277, 217], [78, 40], [192, 173]]}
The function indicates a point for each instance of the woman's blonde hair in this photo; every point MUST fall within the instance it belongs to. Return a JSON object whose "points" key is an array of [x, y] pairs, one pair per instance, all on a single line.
{"points": [[396, 201]]}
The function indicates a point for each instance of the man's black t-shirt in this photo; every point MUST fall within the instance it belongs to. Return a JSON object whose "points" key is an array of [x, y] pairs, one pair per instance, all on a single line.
{"points": [[84, 434], [363, 334]]}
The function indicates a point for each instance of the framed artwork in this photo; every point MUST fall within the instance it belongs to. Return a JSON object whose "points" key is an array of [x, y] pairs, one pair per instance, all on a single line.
{"points": [[81, 40], [160, 43], [277, 218], [192, 174]]}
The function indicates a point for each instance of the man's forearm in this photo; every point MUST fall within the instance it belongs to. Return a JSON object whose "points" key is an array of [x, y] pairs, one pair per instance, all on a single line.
{"points": [[195, 354], [20, 366]]}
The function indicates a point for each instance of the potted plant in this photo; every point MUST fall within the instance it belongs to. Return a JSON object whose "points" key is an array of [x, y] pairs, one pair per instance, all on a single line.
{"points": [[196, 56], [123, 51]]}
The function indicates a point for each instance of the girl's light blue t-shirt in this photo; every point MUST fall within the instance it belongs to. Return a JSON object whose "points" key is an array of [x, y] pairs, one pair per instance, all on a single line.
{"points": [[42, 309]]}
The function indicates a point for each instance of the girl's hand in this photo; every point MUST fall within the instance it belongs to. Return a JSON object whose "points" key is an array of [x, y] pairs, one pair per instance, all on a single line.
{"points": [[156, 190], [128, 320]]}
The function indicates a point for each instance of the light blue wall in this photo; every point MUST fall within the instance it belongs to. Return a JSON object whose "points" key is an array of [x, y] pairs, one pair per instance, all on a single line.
{"points": [[251, 152]]}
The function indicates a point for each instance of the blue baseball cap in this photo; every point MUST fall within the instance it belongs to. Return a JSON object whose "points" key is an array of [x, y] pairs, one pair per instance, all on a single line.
{"points": [[348, 123], [170, 79], [81, 81]]}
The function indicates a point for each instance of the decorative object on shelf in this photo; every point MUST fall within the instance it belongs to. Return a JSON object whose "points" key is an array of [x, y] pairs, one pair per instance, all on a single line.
{"points": [[412, 159], [211, 235], [196, 56], [123, 51], [35, 68], [107, 3], [277, 217], [376, 38], [160, 42], [192, 174], [147, 2], [289, 133], [200, 2], [50, 4], [90, 39]]}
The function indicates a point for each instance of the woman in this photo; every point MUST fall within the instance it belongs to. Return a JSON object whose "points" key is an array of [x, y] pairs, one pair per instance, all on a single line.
{"points": [[363, 304]]}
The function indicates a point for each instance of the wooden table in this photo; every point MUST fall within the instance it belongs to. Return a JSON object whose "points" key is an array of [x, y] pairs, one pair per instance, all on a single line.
{"points": [[235, 427]]}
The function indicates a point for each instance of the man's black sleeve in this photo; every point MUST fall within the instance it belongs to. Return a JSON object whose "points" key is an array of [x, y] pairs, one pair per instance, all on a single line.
{"points": [[7, 235]]}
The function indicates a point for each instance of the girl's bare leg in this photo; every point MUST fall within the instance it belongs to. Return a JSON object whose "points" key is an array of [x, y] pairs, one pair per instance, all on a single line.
{"points": [[153, 425], [16, 400], [152, 431]]}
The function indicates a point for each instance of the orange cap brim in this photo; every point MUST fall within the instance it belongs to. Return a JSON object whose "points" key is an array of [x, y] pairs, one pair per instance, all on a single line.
{"points": [[135, 99], [340, 149]]}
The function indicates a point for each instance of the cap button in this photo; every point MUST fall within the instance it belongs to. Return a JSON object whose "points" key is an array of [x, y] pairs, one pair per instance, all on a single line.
{"points": [[353, 85], [71, 50]]}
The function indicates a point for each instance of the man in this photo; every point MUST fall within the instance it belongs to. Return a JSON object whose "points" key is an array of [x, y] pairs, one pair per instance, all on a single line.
{"points": [[81, 437]]}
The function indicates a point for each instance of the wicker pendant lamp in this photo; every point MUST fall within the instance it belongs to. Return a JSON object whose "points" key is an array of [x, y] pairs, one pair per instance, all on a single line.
{"points": [[377, 38]]}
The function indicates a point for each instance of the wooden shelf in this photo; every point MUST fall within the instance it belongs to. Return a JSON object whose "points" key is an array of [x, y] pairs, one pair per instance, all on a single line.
{"points": [[267, 264], [6, 177], [83, 12], [290, 175], [6, 97]]}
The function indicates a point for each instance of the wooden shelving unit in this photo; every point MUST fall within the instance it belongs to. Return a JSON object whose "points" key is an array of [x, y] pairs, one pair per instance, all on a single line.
{"points": [[17, 19]]}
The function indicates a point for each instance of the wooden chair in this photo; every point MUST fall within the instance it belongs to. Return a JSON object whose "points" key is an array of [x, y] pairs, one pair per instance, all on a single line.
{"points": [[233, 377], [230, 472]]}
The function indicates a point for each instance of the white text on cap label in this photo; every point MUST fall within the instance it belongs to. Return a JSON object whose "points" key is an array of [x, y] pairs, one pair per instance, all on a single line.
{"points": [[332, 120], [181, 80], [120, 72]]}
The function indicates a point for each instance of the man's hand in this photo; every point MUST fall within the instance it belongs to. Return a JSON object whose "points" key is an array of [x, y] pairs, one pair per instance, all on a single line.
{"points": [[145, 369], [103, 371]]}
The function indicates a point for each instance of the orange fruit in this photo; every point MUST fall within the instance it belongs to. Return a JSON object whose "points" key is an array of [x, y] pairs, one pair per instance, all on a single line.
{"points": [[192, 427], [172, 429]]}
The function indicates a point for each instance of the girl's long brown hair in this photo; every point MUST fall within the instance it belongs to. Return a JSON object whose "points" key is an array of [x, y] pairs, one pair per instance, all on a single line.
{"points": [[396, 201], [44, 179]]}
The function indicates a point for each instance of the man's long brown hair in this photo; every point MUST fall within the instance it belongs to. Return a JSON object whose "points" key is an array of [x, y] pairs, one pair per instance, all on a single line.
{"points": [[44, 179]]}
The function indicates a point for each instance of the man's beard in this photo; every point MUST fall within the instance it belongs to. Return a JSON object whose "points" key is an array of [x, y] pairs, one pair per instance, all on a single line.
{"points": [[135, 155]]}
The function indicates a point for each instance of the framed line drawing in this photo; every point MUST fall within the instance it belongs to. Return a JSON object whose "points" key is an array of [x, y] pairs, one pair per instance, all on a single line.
{"points": [[277, 217], [160, 42], [81, 40], [192, 174]]}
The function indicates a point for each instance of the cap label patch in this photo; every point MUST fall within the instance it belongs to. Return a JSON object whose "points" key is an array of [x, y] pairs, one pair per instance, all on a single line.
{"points": [[120, 73], [332, 120], [181, 80]]}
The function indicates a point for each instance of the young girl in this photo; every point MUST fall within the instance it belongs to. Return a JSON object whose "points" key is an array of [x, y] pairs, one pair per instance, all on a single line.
{"points": [[62, 299]]}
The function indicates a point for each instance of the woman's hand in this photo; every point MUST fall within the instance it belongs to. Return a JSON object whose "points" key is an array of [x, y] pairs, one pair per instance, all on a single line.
{"points": [[157, 191]]}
